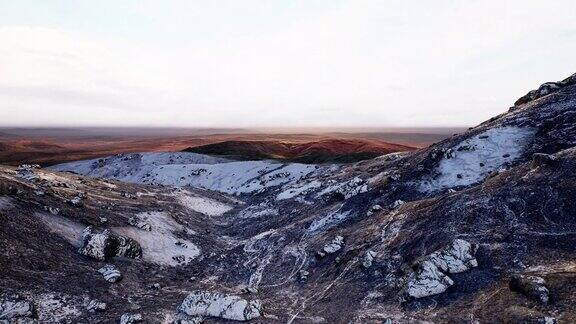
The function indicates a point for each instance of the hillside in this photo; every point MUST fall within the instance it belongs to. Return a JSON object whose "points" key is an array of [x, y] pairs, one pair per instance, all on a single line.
{"points": [[478, 228], [323, 151]]}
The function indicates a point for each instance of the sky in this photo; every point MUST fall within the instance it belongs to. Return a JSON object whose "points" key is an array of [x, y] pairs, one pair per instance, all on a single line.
{"points": [[276, 63]]}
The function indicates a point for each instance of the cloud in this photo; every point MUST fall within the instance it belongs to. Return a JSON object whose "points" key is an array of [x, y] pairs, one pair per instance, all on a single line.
{"points": [[346, 63]]}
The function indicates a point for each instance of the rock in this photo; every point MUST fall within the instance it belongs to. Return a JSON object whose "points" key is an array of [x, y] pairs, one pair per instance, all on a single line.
{"points": [[110, 273], [13, 309], [368, 259], [456, 258], [142, 224], [430, 276], [532, 287], [374, 209], [75, 201], [249, 290], [546, 89], [213, 304], [541, 159], [427, 280], [105, 245], [95, 306], [52, 210], [523, 315], [130, 318], [334, 246], [303, 275], [397, 204]]}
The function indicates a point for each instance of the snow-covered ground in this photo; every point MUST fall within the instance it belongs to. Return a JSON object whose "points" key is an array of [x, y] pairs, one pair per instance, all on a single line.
{"points": [[203, 205], [160, 245], [196, 170], [472, 160]]}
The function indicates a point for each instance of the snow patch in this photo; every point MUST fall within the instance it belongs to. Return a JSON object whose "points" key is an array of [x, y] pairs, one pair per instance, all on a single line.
{"points": [[472, 160], [196, 170], [203, 205], [298, 190], [160, 245]]}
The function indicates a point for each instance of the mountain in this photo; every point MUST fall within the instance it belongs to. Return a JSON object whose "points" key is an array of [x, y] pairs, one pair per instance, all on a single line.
{"points": [[322, 151], [479, 227]]}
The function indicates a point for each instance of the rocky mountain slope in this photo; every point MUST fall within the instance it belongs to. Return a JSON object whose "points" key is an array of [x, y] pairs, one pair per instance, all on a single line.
{"points": [[480, 227]]}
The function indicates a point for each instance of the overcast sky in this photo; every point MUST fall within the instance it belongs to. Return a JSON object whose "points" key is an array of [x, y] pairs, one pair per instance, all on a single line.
{"points": [[255, 63]]}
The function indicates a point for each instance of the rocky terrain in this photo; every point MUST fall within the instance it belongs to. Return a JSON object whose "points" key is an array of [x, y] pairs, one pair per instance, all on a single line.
{"points": [[478, 228]]}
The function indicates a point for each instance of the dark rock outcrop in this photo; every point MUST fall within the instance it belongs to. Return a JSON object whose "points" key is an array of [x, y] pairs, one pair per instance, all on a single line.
{"points": [[106, 244]]}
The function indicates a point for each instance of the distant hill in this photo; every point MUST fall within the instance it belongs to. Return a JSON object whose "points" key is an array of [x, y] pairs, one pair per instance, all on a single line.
{"points": [[321, 151]]}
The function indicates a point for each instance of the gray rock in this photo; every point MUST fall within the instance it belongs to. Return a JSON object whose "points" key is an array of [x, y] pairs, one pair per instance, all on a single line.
{"points": [[334, 246], [456, 258], [130, 318], [110, 273], [541, 159], [95, 306], [142, 224], [213, 304], [532, 287], [546, 89], [368, 259], [52, 210], [397, 204], [12, 309], [105, 245], [427, 280], [430, 277]]}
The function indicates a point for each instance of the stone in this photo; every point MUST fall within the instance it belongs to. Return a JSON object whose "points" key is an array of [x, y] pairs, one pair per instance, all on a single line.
{"points": [[142, 224], [105, 245], [52, 210], [374, 209], [110, 273], [214, 304], [303, 275], [13, 309], [397, 204], [541, 159], [456, 258], [430, 277], [428, 280], [368, 259], [532, 287], [95, 306], [130, 318], [334, 246]]}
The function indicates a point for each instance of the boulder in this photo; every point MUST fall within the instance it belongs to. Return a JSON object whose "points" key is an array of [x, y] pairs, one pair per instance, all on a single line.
{"points": [[130, 318], [397, 204], [93, 305], [532, 287], [213, 304], [427, 280], [541, 159], [105, 245], [140, 223], [368, 259], [110, 273], [456, 258], [546, 89], [334, 246], [430, 277], [14, 309]]}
